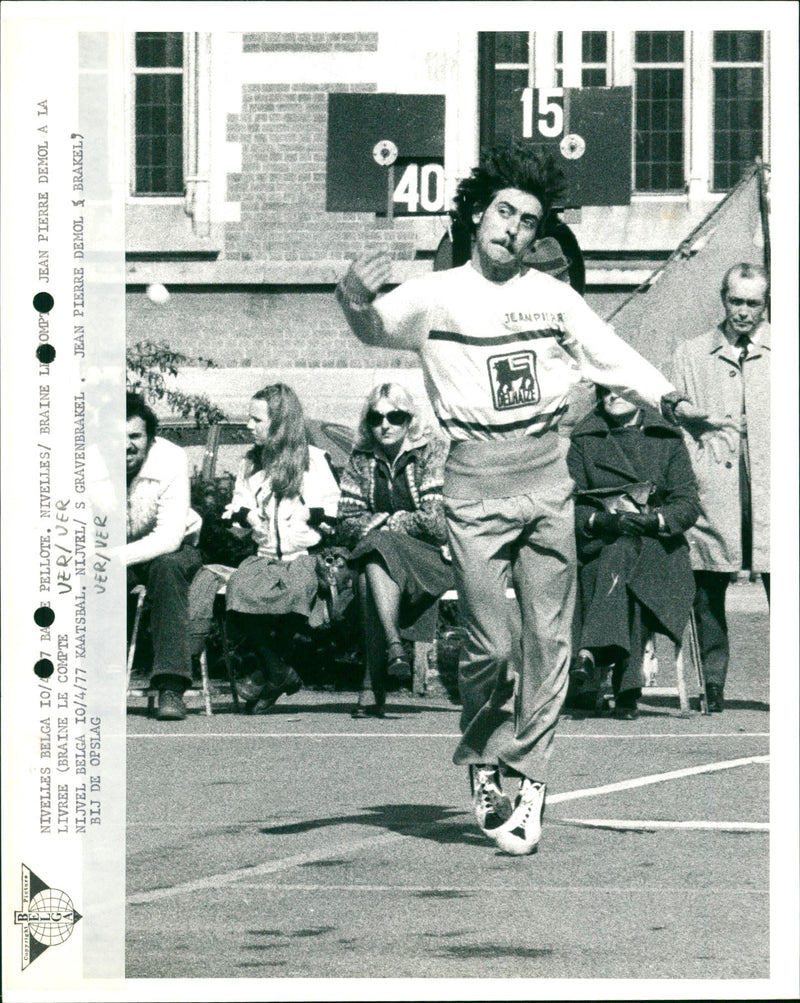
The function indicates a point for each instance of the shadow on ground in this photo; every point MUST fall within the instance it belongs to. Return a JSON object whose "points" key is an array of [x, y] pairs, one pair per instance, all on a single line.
{"points": [[393, 710], [434, 822]]}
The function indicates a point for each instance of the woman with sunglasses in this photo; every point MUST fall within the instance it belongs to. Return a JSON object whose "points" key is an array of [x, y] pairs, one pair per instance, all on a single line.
{"points": [[391, 513], [285, 496]]}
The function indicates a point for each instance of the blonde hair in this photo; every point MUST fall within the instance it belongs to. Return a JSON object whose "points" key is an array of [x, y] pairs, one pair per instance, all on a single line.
{"points": [[397, 395]]}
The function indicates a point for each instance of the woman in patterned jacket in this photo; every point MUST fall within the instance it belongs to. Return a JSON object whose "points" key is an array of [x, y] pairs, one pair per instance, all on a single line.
{"points": [[390, 513]]}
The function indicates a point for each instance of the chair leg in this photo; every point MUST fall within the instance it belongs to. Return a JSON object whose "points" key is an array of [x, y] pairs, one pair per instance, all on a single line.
{"points": [[422, 659], [694, 647], [141, 595], [683, 696], [206, 687], [649, 661], [226, 654]]}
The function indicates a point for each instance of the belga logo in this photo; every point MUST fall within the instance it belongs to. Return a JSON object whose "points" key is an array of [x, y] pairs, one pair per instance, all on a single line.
{"points": [[513, 379], [47, 916]]}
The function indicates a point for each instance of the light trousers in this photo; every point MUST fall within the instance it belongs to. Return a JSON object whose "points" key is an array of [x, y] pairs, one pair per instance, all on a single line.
{"points": [[527, 541]]}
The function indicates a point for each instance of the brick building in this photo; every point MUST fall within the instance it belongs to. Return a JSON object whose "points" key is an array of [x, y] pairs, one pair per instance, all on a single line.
{"points": [[228, 188]]}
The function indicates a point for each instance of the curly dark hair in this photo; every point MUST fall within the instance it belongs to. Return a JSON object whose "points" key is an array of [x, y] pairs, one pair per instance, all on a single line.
{"points": [[509, 165], [136, 407]]}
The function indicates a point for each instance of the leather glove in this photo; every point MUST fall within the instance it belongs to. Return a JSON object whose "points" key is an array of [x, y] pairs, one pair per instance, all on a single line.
{"points": [[639, 523], [605, 524]]}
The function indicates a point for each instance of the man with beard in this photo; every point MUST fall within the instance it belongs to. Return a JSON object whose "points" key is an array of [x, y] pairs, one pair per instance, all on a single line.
{"points": [[158, 555]]}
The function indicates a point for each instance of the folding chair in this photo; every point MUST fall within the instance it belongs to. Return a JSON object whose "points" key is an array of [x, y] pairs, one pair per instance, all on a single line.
{"points": [[650, 668], [140, 591]]}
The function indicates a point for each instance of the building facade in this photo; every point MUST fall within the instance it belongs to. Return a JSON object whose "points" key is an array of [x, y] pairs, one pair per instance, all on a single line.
{"points": [[229, 182]]}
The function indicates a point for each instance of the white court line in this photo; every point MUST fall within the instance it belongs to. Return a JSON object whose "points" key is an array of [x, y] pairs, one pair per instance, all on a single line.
{"points": [[431, 734], [214, 881], [655, 778], [496, 889], [640, 825]]}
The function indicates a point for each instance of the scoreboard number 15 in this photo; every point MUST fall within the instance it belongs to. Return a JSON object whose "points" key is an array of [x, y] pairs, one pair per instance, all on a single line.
{"points": [[550, 112]]}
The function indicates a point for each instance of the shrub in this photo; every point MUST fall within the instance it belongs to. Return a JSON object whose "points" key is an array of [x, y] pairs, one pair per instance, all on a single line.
{"points": [[148, 365]]}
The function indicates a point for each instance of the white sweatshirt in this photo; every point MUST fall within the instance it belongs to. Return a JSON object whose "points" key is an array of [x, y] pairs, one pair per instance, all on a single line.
{"points": [[499, 358]]}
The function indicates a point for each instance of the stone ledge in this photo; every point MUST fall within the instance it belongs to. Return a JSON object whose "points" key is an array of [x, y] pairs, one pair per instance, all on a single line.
{"points": [[255, 273], [327, 394], [312, 273]]}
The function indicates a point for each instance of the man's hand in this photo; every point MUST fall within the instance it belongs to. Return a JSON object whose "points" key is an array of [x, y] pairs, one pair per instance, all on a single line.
{"points": [[697, 422], [722, 444], [365, 277], [717, 434]]}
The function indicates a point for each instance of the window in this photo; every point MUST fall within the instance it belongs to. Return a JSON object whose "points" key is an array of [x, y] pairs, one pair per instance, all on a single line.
{"points": [[505, 69], [658, 111], [738, 72], [594, 58], [158, 113], [700, 98]]}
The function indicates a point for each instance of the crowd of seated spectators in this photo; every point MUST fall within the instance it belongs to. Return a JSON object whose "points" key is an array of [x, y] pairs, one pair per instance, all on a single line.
{"points": [[294, 534]]}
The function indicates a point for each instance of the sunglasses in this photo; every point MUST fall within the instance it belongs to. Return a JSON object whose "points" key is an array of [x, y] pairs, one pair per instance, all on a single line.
{"points": [[375, 418]]}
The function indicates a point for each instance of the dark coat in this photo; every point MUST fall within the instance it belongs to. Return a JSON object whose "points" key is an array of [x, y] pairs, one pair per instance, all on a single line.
{"points": [[657, 571]]}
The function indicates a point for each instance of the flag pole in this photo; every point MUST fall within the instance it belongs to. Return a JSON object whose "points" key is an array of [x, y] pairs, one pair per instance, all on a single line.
{"points": [[764, 208], [684, 248]]}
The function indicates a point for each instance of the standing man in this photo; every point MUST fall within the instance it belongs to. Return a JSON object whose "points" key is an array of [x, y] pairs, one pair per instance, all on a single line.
{"points": [[727, 372], [158, 554], [498, 344]]}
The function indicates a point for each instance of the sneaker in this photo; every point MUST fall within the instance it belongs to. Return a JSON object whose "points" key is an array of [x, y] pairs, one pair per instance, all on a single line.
{"points": [[491, 806], [521, 833], [170, 706]]}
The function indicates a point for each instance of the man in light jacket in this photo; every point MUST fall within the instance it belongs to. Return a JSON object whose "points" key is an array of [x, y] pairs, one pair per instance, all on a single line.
{"points": [[726, 371], [158, 553]]}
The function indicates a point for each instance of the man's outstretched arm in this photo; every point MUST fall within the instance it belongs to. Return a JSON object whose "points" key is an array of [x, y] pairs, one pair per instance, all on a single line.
{"points": [[396, 320]]}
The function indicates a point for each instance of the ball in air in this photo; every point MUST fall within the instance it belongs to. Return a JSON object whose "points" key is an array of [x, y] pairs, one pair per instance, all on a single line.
{"points": [[157, 293]]}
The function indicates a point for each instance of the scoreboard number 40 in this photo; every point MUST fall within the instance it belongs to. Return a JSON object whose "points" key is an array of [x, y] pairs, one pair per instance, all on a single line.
{"points": [[421, 186]]}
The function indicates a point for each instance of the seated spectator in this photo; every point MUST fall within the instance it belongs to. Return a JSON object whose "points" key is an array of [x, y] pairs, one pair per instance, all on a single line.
{"points": [[391, 514], [635, 497], [285, 496], [159, 552]]}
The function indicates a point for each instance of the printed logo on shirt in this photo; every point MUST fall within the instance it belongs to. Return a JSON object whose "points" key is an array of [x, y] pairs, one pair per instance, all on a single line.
{"points": [[513, 380], [513, 320]]}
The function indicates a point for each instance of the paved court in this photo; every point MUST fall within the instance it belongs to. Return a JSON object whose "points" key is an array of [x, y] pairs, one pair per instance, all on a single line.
{"points": [[308, 844]]}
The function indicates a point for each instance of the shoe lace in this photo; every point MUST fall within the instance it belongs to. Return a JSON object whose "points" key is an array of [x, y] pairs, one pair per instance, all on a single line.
{"points": [[492, 801], [530, 801]]}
